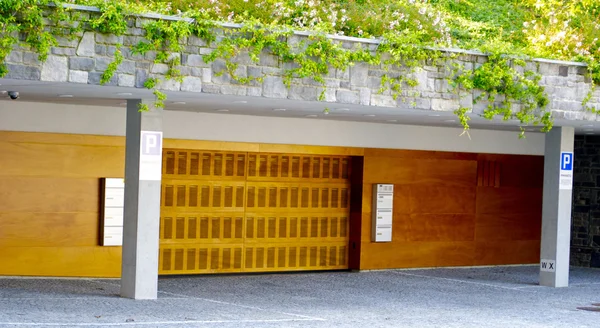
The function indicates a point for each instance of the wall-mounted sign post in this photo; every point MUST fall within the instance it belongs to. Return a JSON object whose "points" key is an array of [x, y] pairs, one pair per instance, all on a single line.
{"points": [[112, 211], [383, 205]]}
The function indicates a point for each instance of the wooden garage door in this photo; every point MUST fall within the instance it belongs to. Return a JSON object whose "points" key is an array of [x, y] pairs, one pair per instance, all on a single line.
{"points": [[253, 212]]}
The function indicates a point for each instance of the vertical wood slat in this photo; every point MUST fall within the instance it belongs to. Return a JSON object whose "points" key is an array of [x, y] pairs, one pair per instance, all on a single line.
{"points": [[278, 250]]}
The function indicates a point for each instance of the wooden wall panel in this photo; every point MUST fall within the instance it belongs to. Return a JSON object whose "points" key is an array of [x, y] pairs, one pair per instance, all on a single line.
{"points": [[89, 261], [509, 227], [50, 195], [454, 209], [509, 200], [434, 227], [417, 254], [43, 229], [514, 252], [57, 160], [428, 198]]}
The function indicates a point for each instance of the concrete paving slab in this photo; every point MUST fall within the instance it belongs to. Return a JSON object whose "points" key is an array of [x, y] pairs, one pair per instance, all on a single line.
{"points": [[472, 297]]}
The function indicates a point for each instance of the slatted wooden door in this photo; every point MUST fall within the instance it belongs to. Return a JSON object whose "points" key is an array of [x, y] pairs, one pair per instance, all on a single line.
{"points": [[253, 212]]}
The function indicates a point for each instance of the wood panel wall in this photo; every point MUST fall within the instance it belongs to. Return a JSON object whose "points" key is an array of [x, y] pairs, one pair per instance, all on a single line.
{"points": [[454, 209], [50, 198], [450, 209], [49, 204]]}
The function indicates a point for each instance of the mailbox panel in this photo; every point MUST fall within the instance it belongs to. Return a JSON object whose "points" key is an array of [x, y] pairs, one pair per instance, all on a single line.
{"points": [[383, 209]]}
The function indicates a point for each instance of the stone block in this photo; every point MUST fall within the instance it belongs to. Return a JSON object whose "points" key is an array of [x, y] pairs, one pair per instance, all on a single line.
{"points": [[275, 71], [359, 74], [169, 85], [67, 42], [466, 100], [159, 68], [220, 72], [375, 84], [126, 67], [196, 41], [565, 93], [342, 74], [254, 91], [243, 58], [299, 92], [347, 97], [62, 51], [206, 75], [31, 58], [423, 103], [211, 88], [383, 101], [273, 87], [330, 95], [143, 65], [191, 84], [547, 69], [78, 76], [195, 71], [15, 57], [196, 61], [136, 31], [126, 80], [444, 105], [365, 96], [204, 51], [556, 81], [236, 90], [141, 75], [95, 77], [87, 45], [254, 71], [109, 38], [102, 63], [55, 69], [82, 63], [268, 60], [442, 85], [22, 72]]}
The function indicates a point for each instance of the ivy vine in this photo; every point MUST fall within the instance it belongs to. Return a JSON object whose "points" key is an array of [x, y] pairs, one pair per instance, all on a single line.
{"points": [[510, 90]]}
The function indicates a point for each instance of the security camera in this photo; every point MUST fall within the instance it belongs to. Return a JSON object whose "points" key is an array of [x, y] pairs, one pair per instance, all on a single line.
{"points": [[13, 95]]}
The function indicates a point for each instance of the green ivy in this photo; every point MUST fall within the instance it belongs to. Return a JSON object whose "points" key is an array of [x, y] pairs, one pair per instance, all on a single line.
{"points": [[503, 82]]}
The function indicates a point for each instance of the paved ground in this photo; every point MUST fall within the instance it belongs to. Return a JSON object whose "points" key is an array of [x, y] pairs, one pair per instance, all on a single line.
{"points": [[483, 297]]}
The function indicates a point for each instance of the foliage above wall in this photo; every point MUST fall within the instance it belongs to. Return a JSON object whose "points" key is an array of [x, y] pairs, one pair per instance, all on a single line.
{"points": [[409, 31]]}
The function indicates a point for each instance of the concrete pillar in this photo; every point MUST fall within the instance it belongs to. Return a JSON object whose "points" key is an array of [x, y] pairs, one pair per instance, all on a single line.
{"points": [[143, 164], [556, 212]]}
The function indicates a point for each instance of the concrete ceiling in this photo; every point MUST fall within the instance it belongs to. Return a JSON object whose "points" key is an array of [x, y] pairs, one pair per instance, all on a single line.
{"points": [[84, 94]]}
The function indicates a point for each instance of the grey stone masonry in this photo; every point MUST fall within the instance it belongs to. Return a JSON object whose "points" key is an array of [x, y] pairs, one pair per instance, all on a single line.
{"points": [[84, 58], [585, 229]]}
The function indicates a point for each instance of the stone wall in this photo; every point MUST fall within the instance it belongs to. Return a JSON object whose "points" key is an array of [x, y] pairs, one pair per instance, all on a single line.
{"points": [[83, 59], [585, 228]]}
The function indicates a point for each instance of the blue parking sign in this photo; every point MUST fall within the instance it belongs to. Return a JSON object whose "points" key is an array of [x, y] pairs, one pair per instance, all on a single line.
{"points": [[566, 161]]}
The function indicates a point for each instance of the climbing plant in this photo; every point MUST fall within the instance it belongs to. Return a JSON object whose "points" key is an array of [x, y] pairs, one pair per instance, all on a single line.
{"points": [[411, 35]]}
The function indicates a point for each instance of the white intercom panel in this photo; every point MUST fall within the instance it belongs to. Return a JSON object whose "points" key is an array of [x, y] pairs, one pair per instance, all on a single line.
{"points": [[112, 211], [383, 208]]}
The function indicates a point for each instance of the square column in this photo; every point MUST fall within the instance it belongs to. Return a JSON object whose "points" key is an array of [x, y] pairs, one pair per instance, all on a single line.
{"points": [[556, 212], [141, 218]]}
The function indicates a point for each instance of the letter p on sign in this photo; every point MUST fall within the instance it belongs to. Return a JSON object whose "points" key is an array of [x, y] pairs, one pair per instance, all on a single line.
{"points": [[151, 143], [566, 161]]}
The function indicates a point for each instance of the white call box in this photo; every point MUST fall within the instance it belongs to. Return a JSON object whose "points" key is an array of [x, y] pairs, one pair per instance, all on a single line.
{"points": [[112, 211], [383, 209], [383, 217], [385, 200]]}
